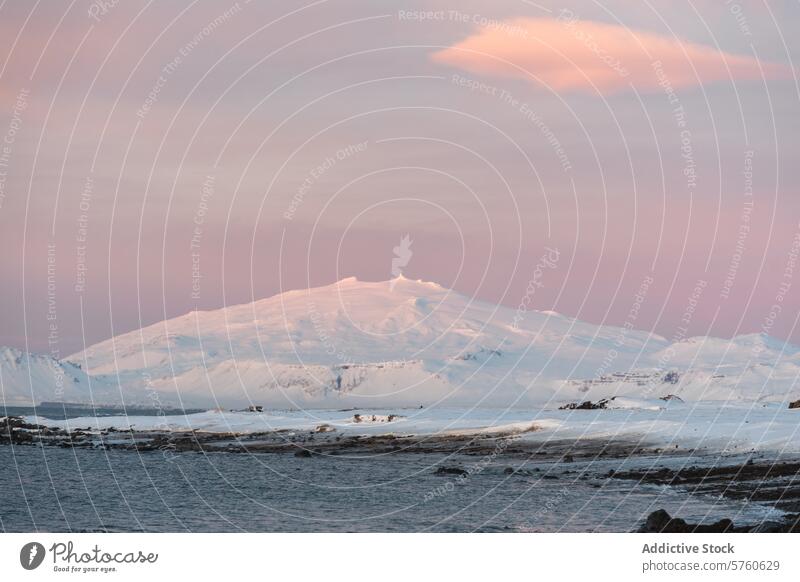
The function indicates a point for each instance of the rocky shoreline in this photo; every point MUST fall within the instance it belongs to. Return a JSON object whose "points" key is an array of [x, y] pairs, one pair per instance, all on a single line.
{"points": [[662, 522], [774, 484], [320, 441]]}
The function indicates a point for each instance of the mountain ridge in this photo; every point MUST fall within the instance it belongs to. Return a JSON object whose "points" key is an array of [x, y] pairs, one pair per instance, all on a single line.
{"points": [[410, 343]]}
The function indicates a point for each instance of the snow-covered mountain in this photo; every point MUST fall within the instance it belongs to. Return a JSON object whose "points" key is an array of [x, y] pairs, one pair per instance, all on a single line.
{"points": [[26, 378], [414, 343]]}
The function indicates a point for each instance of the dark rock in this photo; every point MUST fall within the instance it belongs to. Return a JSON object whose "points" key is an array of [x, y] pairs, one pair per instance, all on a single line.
{"points": [[450, 471], [657, 521], [671, 397], [795, 404], [671, 378], [303, 453], [587, 405], [662, 522]]}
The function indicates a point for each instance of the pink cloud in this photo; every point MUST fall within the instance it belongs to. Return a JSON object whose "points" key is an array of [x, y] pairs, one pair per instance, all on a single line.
{"points": [[578, 55]]}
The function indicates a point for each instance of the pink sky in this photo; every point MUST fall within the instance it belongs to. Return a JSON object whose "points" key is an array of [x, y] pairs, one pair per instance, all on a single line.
{"points": [[639, 143], [568, 54]]}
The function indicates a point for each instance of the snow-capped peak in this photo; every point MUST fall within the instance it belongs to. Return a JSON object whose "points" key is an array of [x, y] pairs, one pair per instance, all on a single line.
{"points": [[413, 342]]}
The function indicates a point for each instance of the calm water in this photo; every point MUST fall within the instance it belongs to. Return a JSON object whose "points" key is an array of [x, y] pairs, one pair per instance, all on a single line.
{"points": [[60, 412], [53, 489]]}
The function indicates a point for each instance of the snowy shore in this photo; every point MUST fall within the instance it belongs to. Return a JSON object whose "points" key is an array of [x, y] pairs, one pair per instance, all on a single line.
{"points": [[708, 427]]}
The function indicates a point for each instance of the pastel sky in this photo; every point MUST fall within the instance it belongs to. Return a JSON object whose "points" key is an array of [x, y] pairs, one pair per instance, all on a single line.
{"points": [[159, 157]]}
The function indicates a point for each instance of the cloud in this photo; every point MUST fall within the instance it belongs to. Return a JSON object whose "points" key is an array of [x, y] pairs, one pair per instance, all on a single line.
{"points": [[576, 55]]}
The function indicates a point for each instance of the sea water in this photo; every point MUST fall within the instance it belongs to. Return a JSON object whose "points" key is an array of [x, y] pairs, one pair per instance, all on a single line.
{"points": [[59, 489]]}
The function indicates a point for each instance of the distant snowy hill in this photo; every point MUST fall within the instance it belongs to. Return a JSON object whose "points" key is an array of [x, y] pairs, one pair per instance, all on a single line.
{"points": [[25, 378], [413, 343]]}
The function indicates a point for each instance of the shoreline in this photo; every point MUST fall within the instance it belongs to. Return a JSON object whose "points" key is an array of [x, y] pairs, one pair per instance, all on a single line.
{"points": [[772, 481], [326, 440]]}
